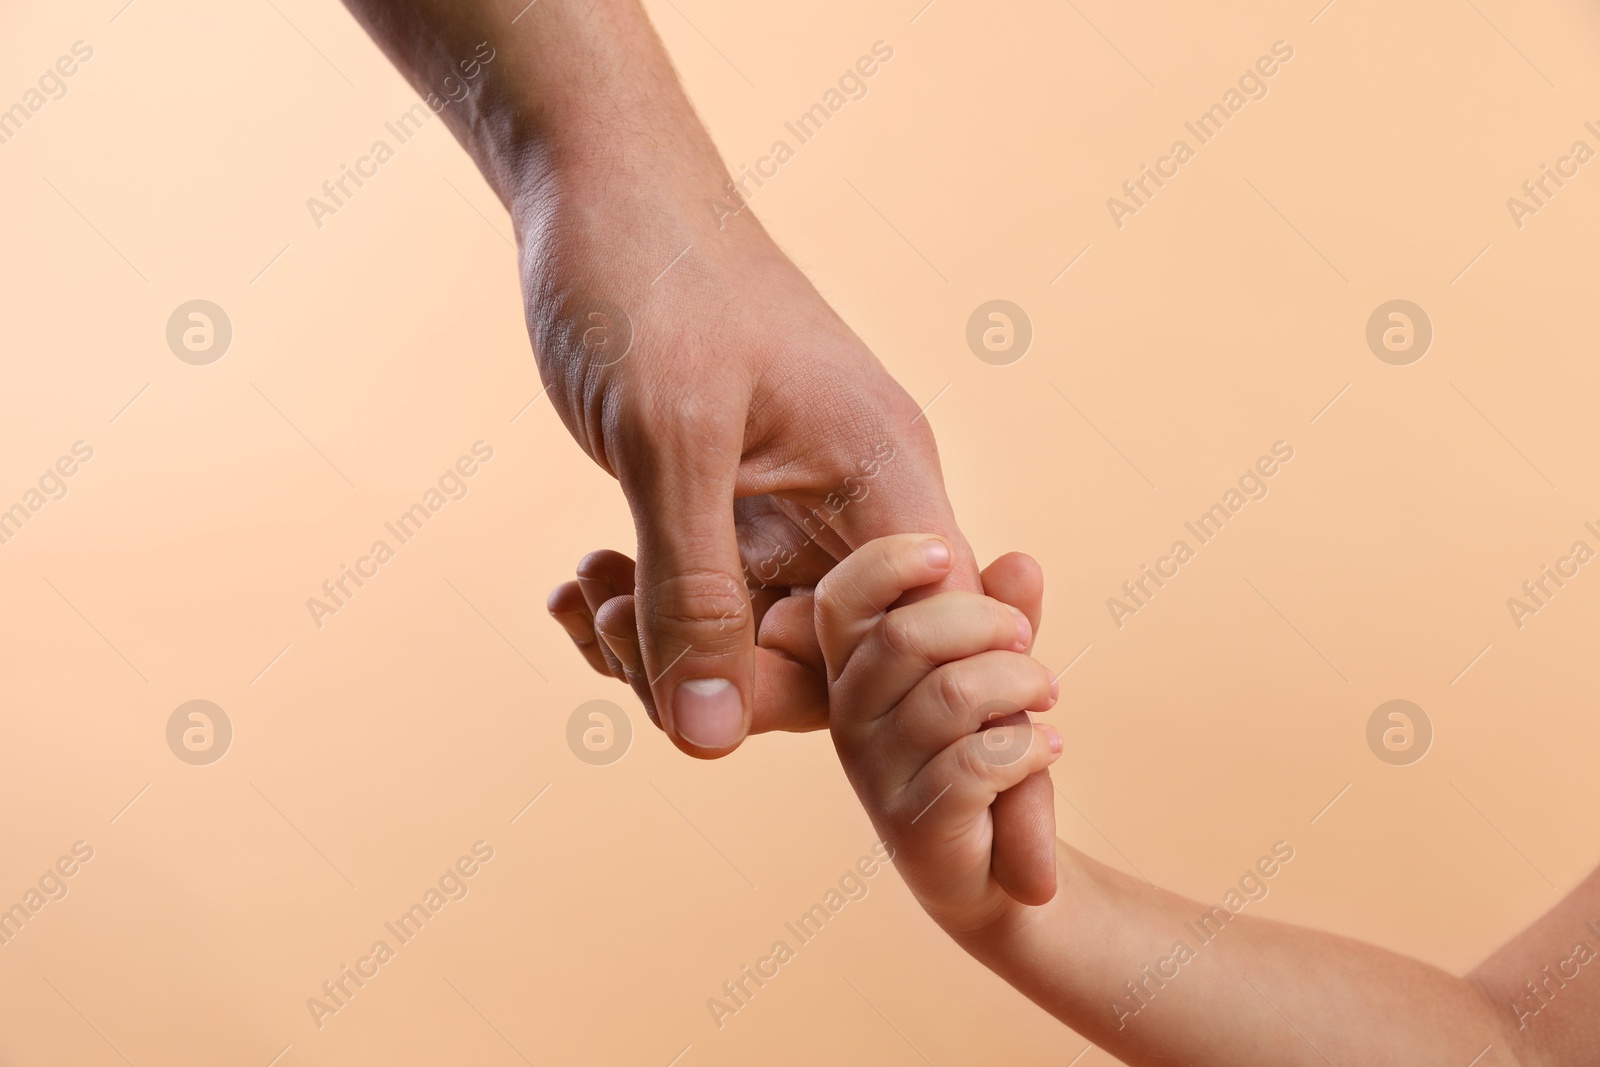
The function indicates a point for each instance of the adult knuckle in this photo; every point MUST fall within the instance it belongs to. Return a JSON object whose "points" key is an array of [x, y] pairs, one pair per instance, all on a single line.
{"points": [[690, 407], [623, 423], [633, 408], [708, 608]]}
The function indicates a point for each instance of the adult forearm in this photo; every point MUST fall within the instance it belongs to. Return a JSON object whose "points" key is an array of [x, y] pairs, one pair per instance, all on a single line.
{"points": [[1157, 979], [580, 87], [580, 126]]}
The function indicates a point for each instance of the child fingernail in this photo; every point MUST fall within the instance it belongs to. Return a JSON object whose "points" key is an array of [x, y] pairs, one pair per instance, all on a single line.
{"points": [[937, 553], [1055, 690], [1054, 739]]}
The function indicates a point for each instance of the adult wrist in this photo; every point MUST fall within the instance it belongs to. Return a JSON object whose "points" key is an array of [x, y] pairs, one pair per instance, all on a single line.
{"points": [[622, 187]]}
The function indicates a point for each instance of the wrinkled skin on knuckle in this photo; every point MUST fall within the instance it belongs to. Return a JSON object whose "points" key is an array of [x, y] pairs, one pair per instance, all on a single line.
{"points": [[699, 408], [707, 609], [555, 270], [666, 423], [606, 351], [628, 432], [589, 398]]}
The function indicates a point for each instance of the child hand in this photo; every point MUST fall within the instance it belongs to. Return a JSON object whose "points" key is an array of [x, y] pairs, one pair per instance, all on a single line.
{"points": [[927, 709]]}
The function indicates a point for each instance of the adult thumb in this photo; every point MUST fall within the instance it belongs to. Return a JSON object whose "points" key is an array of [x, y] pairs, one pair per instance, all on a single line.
{"points": [[696, 626]]}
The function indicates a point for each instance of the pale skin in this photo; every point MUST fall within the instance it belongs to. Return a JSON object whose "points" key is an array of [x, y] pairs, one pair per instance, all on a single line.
{"points": [[910, 685]]}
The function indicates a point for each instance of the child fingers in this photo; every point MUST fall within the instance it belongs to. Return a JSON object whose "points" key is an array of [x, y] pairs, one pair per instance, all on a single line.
{"points": [[1023, 857], [568, 608], [911, 641], [961, 782], [991, 689], [853, 596]]}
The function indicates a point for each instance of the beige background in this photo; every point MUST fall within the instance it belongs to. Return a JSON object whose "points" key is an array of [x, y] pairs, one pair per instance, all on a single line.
{"points": [[369, 754]]}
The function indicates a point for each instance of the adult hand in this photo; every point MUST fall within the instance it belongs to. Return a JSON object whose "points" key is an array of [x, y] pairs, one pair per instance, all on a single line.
{"points": [[756, 439], [685, 353]]}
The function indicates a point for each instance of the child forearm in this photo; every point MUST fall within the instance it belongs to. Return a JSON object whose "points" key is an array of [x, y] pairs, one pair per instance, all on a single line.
{"points": [[1157, 979], [1147, 975]]}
